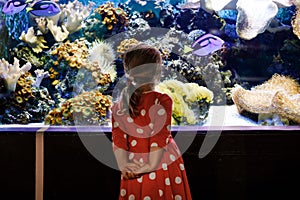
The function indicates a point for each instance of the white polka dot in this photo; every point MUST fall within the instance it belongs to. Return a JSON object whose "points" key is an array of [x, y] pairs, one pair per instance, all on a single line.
{"points": [[154, 144], [129, 119], [167, 181], [151, 125], [140, 180], [160, 192], [131, 197], [141, 160], [156, 101], [167, 140], [178, 197], [178, 180], [172, 157], [116, 124], [125, 136], [147, 198], [131, 155], [133, 143], [161, 111], [120, 112], [152, 132], [169, 127], [139, 130], [152, 176], [181, 166], [164, 166], [123, 192], [143, 112]]}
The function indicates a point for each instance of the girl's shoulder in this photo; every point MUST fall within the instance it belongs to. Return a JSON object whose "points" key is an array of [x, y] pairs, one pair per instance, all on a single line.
{"points": [[157, 96]]}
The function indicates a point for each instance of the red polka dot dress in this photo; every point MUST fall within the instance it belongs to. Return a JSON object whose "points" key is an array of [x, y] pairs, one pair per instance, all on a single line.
{"points": [[150, 129]]}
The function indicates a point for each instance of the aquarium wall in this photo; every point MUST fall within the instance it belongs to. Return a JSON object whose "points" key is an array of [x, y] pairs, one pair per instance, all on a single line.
{"points": [[61, 61]]}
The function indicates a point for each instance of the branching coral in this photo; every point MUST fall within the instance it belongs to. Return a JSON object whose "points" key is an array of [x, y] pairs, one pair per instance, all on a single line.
{"points": [[86, 108], [279, 95], [12, 72], [37, 43], [112, 17], [68, 21], [60, 33], [40, 75], [75, 53], [191, 102], [73, 14]]}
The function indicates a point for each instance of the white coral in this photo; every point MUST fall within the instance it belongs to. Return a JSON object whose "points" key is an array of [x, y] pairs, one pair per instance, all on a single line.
{"points": [[72, 15], [59, 33], [12, 72], [37, 43], [40, 75], [254, 16]]}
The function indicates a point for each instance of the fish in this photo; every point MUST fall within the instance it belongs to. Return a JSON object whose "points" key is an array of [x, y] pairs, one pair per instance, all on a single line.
{"points": [[205, 45], [14, 6], [44, 8]]}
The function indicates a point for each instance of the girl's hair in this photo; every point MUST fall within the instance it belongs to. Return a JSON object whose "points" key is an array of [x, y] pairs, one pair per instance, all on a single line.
{"points": [[142, 65]]}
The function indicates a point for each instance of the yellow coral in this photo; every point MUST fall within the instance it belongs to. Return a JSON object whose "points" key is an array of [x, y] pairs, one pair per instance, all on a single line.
{"points": [[37, 43], [112, 16], [23, 88], [92, 106], [279, 95], [125, 45], [75, 53], [184, 96]]}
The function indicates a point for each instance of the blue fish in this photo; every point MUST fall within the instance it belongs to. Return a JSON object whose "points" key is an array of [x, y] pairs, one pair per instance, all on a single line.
{"points": [[14, 6], [206, 45], [44, 8]]}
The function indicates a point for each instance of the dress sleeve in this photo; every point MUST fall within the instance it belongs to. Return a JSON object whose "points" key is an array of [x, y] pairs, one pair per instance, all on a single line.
{"points": [[119, 137], [162, 122]]}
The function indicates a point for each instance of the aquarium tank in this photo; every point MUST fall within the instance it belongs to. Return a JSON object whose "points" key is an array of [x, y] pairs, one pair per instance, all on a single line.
{"points": [[61, 61]]}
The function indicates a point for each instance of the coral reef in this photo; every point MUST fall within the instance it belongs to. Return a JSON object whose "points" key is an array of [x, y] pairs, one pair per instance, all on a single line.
{"points": [[75, 53], [60, 33], [37, 43], [12, 72], [113, 18], [27, 104], [25, 53], [40, 75], [191, 102], [279, 95], [125, 45], [68, 21], [72, 53], [88, 108]]}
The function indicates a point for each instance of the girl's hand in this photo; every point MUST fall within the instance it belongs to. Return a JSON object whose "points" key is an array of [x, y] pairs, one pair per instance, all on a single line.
{"points": [[128, 171], [143, 168]]}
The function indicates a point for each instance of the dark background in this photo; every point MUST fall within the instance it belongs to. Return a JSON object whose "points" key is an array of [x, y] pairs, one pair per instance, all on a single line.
{"points": [[244, 164]]}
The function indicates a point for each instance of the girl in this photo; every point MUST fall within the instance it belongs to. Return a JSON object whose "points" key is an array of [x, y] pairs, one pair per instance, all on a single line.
{"points": [[149, 160]]}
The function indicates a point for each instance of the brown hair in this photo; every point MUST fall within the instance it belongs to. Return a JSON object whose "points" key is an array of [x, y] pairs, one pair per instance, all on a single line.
{"points": [[149, 58]]}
